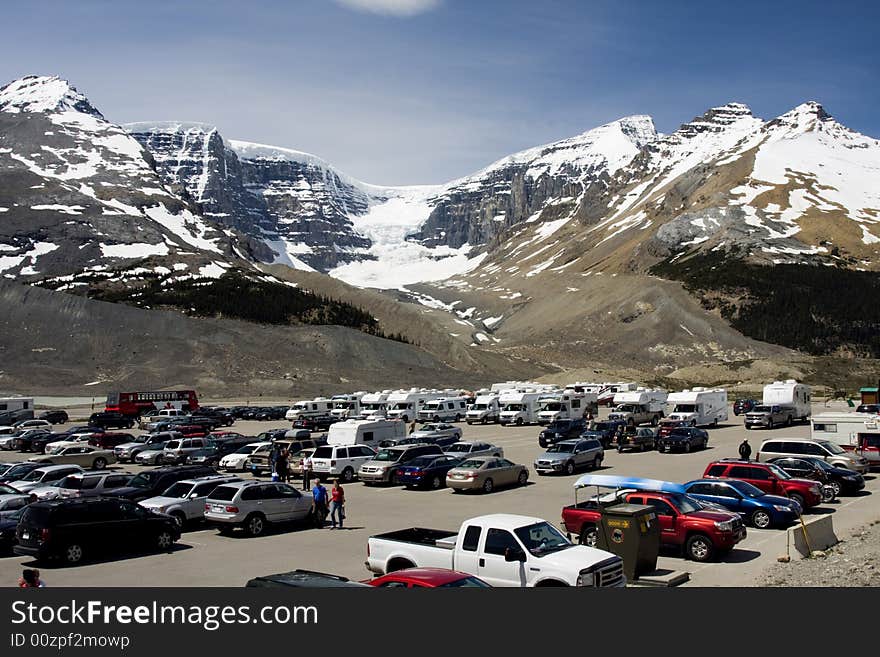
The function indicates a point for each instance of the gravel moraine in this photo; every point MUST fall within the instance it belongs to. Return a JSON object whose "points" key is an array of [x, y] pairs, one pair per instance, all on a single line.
{"points": [[855, 561]]}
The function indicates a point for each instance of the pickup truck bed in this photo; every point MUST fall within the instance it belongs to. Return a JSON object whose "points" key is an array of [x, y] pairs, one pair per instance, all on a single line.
{"points": [[422, 536]]}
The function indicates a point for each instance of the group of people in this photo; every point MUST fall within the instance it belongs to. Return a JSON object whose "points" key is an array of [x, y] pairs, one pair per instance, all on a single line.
{"points": [[332, 502]]}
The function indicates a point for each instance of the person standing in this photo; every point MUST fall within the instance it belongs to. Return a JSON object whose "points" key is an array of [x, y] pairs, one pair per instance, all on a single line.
{"points": [[30, 579], [319, 496], [281, 468], [307, 471], [745, 450], [337, 505]]}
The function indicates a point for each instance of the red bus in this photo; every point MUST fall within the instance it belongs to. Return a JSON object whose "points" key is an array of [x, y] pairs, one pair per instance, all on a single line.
{"points": [[138, 403]]}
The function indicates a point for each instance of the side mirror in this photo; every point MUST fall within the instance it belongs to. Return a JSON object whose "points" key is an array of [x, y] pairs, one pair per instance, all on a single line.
{"points": [[514, 554]]}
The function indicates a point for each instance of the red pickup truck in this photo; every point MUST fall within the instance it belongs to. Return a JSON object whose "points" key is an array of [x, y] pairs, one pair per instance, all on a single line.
{"points": [[700, 532]]}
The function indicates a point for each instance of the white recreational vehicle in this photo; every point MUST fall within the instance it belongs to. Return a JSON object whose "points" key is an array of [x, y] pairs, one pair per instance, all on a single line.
{"points": [[365, 432], [346, 406], [608, 390], [15, 409], [519, 407], [639, 406], [309, 408], [406, 404], [789, 393], [485, 409], [374, 404], [699, 406], [444, 409], [845, 429], [564, 404]]}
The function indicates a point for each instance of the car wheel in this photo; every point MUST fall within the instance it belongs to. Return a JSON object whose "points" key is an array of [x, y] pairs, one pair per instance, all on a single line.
{"points": [[436, 483], [99, 463], [761, 519], [589, 536], [828, 494], [797, 497], [687, 446], [788, 421], [484, 419], [457, 417], [179, 518], [519, 421], [699, 548], [164, 541], [488, 486], [770, 424], [73, 554], [654, 421], [524, 477], [255, 524], [348, 475], [597, 463], [542, 443], [836, 486]]}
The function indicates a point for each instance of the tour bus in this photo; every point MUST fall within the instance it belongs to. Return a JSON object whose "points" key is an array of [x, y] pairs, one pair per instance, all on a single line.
{"points": [[139, 403]]}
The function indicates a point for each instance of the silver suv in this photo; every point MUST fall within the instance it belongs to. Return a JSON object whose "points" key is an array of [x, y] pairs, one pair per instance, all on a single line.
{"points": [[129, 451], [569, 455], [84, 484], [829, 452], [176, 451], [185, 500], [383, 468], [252, 505]]}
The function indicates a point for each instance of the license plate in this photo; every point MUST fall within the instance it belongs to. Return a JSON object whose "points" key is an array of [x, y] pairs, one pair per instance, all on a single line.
{"points": [[25, 535], [217, 508]]}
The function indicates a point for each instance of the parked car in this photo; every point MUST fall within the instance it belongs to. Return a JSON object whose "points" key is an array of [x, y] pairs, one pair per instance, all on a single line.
{"points": [[294, 464], [604, 431], [842, 480], [12, 501], [39, 442], [470, 449], [55, 417], [486, 473], [342, 461], [33, 424], [561, 430], [12, 472], [253, 505], [213, 453], [72, 529], [428, 578], [23, 441], [637, 440], [150, 483], [427, 471], [44, 475], [167, 423], [8, 489], [683, 439], [823, 449], [8, 525], [109, 440], [431, 433], [301, 579], [570, 455], [382, 468], [260, 460], [743, 406], [84, 484], [770, 416], [86, 456], [152, 455], [272, 413], [666, 426], [126, 452], [111, 419], [235, 462], [769, 478], [223, 436], [185, 500], [221, 415], [314, 423], [757, 507], [176, 451]]}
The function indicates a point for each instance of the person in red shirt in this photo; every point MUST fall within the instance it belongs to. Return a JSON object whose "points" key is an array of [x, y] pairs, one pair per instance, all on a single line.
{"points": [[337, 505]]}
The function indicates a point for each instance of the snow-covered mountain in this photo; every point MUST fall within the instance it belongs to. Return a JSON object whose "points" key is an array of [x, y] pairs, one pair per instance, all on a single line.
{"points": [[80, 200]]}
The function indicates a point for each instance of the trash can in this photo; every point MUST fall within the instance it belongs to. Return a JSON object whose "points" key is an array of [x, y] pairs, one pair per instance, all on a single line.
{"points": [[632, 532]]}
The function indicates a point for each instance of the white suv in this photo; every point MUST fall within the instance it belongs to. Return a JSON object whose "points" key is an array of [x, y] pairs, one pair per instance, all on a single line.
{"points": [[235, 462], [185, 500], [252, 505], [341, 461]]}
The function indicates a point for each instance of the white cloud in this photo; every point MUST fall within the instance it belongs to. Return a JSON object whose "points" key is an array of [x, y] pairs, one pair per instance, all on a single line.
{"points": [[392, 7]]}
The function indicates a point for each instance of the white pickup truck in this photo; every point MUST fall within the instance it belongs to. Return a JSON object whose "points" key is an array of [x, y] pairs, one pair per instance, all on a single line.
{"points": [[502, 549]]}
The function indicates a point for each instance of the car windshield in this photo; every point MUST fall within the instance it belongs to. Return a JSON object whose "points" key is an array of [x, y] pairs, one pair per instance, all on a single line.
{"points": [[58, 449], [822, 464], [761, 409], [471, 464], [465, 582], [778, 472], [174, 444], [745, 488], [513, 407], [179, 490], [686, 504], [481, 407], [247, 449], [832, 447], [5, 467], [542, 538], [142, 480], [552, 406], [561, 448], [388, 455]]}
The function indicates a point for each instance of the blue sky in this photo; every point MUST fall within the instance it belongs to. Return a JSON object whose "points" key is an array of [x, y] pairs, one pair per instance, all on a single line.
{"points": [[423, 91]]}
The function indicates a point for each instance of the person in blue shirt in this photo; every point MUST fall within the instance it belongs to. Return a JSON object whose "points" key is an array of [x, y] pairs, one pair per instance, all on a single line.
{"points": [[319, 497]]}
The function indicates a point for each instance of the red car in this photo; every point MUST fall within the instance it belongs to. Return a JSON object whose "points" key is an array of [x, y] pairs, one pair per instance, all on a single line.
{"points": [[427, 578], [769, 478], [110, 440]]}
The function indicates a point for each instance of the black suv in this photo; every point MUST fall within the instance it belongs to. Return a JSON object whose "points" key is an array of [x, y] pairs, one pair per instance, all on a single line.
{"points": [[108, 419], [683, 439], [71, 529], [223, 416], [55, 417], [317, 423], [271, 413], [151, 483], [561, 430]]}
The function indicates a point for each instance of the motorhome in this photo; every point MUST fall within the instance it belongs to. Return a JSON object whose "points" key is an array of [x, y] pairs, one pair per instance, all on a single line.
{"points": [[699, 406], [365, 432], [15, 409], [519, 407], [852, 431], [567, 404], [789, 393], [486, 408], [374, 404], [606, 394], [309, 408], [406, 404], [445, 409], [346, 406], [639, 406]]}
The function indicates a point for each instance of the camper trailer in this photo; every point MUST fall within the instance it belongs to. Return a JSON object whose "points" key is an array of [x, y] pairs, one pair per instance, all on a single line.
{"points": [[699, 406], [519, 407], [365, 432], [639, 406], [406, 404], [15, 409], [374, 404], [606, 394], [445, 409], [486, 408], [566, 404], [849, 430], [789, 393], [346, 406], [309, 408]]}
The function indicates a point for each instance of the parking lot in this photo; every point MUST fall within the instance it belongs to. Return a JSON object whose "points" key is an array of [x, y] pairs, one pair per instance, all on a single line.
{"points": [[204, 558]]}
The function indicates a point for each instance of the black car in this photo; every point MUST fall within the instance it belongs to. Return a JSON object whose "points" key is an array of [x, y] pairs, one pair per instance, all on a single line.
{"points": [[38, 443], [111, 419], [151, 483], [25, 442], [55, 417], [222, 415], [301, 578], [12, 472], [8, 524], [605, 431], [561, 430], [317, 423], [427, 471], [75, 528], [204, 421], [842, 480], [743, 406], [683, 439], [211, 456], [873, 409], [271, 413]]}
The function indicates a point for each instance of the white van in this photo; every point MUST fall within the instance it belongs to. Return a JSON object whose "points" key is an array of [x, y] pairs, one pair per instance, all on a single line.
{"points": [[699, 406], [485, 409], [406, 404], [519, 407], [445, 409], [309, 408], [365, 432]]}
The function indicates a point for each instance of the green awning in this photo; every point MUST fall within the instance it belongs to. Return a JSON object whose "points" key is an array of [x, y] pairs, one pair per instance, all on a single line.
{"points": [[867, 389]]}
